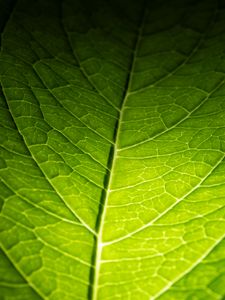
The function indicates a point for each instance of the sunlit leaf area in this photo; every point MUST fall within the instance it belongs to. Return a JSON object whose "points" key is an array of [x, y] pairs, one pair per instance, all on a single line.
{"points": [[112, 146]]}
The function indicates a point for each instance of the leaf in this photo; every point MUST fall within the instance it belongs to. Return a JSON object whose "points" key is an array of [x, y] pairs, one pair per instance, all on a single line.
{"points": [[112, 150]]}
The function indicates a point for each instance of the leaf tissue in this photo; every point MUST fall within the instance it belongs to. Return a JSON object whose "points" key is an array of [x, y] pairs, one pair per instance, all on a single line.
{"points": [[112, 146]]}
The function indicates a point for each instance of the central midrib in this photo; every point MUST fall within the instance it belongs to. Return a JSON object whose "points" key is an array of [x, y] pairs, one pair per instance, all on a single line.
{"points": [[93, 295]]}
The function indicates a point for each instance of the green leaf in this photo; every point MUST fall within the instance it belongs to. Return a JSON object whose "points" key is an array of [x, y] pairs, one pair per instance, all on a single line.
{"points": [[112, 145]]}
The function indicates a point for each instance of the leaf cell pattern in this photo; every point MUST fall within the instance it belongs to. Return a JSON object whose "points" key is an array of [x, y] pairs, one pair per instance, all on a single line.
{"points": [[112, 145]]}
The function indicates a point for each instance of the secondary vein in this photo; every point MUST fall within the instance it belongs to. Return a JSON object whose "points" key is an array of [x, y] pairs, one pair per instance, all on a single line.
{"points": [[43, 173]]}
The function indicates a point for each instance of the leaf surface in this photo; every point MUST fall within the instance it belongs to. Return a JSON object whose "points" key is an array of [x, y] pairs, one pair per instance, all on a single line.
{"points": [[112, 170]]}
